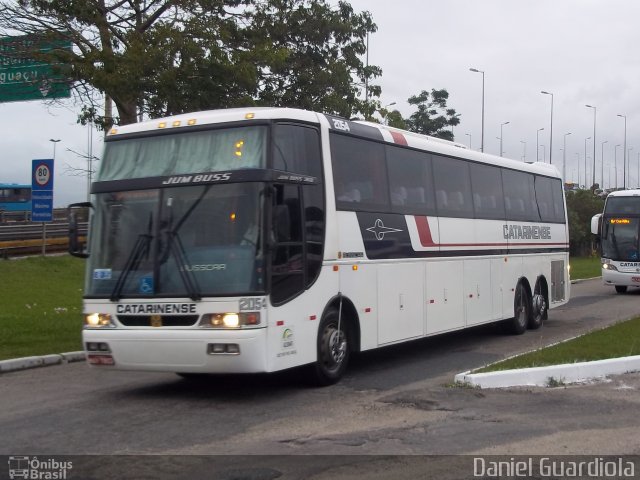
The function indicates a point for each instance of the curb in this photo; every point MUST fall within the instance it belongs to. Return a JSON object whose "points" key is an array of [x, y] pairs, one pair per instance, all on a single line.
{"points": [[541, 376], [40, 361]]}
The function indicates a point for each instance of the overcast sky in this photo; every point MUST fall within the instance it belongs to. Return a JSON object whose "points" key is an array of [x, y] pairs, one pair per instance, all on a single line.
{"points": [[583, 51]]}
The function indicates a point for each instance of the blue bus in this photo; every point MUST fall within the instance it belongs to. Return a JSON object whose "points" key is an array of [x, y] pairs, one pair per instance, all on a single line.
{"points": [[15, 197]]}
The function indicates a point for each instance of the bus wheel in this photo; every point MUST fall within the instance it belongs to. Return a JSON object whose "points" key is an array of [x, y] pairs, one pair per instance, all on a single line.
{"points": [[333, 349], [521, 311], [538, 308], [621, 288]]}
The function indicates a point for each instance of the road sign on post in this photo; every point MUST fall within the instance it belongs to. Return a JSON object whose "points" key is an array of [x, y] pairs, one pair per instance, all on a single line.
{"points": [[42, 190], [26, 78]]}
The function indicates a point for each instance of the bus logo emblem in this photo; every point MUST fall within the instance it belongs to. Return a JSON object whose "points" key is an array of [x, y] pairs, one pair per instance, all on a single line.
{"points": [[155, 320], [379, 230]]}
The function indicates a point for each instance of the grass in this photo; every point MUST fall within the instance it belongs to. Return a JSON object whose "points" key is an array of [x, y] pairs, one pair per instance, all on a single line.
{"points": [[41, 305], [619, 340], [585, 267]]}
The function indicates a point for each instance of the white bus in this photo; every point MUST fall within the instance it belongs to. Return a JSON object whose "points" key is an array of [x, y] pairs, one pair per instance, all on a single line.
{"points": [[616, 230], [256, 240]]}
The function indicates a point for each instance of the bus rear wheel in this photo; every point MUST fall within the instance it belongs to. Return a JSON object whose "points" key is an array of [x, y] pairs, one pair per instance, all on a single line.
{"points": [[333, 349], [538, 308], [521, 311], [621, 288]]}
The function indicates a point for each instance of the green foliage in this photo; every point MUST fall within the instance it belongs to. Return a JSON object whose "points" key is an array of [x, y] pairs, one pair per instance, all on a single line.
{"points": [[432, 116], [41, 300], [585, 267], [162, 57], [581, 206]]}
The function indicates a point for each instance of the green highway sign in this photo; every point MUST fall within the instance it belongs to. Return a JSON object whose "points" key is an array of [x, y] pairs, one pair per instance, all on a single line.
{"points": [[24, 78]]}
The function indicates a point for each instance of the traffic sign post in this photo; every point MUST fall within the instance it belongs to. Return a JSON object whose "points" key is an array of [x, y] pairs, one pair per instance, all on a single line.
{"points": [[42, 195]]}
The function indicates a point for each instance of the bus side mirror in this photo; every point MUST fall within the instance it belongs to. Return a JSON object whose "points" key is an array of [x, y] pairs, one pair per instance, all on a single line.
{"points": [[78, 214], [596, 222]]}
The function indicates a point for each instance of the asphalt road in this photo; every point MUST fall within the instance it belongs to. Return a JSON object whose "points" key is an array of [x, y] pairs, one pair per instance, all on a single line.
{"points": [[395, 401]]}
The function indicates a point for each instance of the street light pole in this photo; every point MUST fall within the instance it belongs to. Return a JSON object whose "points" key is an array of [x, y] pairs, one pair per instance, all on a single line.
{"points": [[482, 134], [615, 163], [585, 163], [593, 182], [564, 158], [54, 141], [544, 152], [524, 150], [469, 135], [537, 144], [551, 128], [624, 154], [502, 125], [602, 164]]}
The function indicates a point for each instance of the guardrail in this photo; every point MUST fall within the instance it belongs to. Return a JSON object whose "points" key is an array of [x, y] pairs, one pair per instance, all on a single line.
{"points": [[29, 238]]}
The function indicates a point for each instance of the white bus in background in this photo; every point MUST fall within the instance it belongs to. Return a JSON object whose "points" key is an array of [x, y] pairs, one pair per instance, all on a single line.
{"points": [[616, 230], [256, 240]]}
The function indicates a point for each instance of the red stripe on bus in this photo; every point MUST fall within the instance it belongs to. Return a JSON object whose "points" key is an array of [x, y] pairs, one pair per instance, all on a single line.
{"points": [[424, 232], [398, 138]]}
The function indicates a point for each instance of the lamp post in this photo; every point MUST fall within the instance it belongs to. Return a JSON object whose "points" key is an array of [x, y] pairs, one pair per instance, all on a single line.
{"points": [[624, 154], [629, 166], [615, 163], [537, 142], [469, 135], [482, 130], [386, 112], [585, 162], [54, 141], [564, 158], [602, 164], [593, 182], [544, 152], [578, 163], [524, 150], [502, 125], [551, 128]]}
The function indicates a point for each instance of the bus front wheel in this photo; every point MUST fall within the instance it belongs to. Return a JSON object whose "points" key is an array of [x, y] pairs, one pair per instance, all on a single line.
{"points": [[333, 349]]}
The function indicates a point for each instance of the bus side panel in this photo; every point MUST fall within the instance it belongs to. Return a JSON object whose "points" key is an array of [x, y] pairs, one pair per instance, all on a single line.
{"points": [[400, 301], [360, 287], [477, 291], [445, 309]]}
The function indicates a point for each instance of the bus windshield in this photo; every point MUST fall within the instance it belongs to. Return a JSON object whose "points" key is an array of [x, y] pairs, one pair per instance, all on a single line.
{"points": [[620, 239], [177, 242], [185, 152]]}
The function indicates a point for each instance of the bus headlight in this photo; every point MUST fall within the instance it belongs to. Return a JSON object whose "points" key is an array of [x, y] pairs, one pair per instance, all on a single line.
{"points": [[609, 266], [98, 320], [230, 320]]}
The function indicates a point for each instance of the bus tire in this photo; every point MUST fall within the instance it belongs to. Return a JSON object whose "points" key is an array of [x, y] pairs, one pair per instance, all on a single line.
{"points": [[521, 311], [538, 308], [333, 349], [621, 288]]}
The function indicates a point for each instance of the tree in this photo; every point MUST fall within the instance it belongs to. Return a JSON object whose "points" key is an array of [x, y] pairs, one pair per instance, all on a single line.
{"points": [[581, 206], [432, 116], [159, 57]]}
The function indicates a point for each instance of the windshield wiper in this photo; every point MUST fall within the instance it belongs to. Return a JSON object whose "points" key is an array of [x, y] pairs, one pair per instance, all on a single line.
{"points": [[176, 248], [140, 249], [178, 251]]}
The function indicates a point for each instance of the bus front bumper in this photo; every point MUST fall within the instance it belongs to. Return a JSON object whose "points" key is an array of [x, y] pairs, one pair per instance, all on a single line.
{"points": [[181, 351], [614, 277]]}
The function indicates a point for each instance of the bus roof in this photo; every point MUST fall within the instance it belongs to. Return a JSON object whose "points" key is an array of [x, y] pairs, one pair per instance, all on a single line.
{"points": [[415, 140], [625, 193]]}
